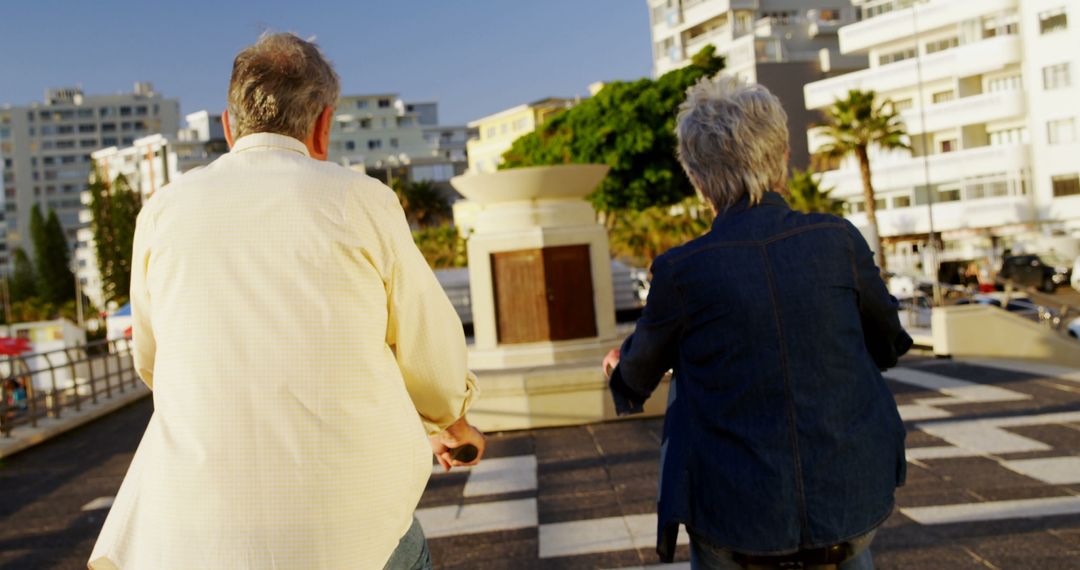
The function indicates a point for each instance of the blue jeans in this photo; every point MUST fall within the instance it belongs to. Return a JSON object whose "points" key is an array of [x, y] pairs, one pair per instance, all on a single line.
{"points": [[704, 556], [411, 552]]}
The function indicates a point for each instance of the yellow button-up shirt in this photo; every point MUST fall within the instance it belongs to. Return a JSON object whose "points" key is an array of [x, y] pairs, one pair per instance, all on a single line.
{"points": [[299, 350]]}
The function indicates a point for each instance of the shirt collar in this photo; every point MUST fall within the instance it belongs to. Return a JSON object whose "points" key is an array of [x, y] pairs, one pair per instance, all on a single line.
{"points": [[269, 141]]}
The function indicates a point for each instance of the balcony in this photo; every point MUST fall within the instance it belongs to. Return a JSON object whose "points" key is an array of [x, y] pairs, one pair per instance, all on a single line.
{"points": [[718, 36], [818, 29], [975, 58], [972, 110], [898, 170], [899, 25], [953, 216], [698, 11]]}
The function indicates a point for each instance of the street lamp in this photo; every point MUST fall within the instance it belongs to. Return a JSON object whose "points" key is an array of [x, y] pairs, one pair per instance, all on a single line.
{"points": [[932, 242], [391, 162]]}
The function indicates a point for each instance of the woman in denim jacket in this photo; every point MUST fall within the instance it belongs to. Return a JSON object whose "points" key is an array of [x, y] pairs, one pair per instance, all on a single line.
{"points": [[782, 442]]}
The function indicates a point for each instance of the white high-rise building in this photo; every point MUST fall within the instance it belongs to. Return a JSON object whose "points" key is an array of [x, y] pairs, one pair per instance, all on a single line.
{"points": [[781, 44], [147, 164], [46, 150], [990, 96]]}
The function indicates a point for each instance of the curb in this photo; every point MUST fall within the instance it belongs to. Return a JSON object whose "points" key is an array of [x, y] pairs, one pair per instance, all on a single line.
{"points": [[25, 437]]}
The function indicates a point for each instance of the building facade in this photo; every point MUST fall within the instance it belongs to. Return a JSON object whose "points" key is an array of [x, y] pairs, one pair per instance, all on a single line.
{"points": [[148, 164], [989, 94], [496, 133], [47, 148], [781, 44]]}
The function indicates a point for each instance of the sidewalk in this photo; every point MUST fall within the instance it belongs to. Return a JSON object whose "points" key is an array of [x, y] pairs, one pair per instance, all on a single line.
{"points": [[24, 436]]}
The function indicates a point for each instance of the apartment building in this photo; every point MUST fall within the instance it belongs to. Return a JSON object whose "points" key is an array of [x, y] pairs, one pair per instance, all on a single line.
{"points": [[497, 132], [781, 44], [377, 131], [46, 148], [990, 97], [148, 164]]}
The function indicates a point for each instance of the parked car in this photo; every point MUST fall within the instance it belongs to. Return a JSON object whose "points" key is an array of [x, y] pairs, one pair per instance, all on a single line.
{"points": [[1032, 271]]}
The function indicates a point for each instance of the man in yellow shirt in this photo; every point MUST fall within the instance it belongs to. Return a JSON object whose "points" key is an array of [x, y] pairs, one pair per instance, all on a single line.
{"points": [[302, 355]]}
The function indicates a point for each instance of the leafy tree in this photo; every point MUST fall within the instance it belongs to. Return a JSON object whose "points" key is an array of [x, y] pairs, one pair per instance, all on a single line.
{"points": [[639, 237], [424, 205], [629, 126], [55, 281], [806, 194], [442, 247], [114, 209], [23, 280], [855, 125]]}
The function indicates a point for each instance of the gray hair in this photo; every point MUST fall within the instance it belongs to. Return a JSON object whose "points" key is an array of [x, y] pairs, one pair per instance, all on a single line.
{"points": [[733, 140], [280, 85]]}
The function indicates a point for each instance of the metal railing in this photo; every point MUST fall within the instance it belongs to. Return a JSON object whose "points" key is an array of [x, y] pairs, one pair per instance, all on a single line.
{"points": [[51, 384]]}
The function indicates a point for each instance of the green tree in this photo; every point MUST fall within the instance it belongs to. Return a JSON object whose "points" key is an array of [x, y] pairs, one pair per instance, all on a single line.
{"points": [[630, 126], [806, 194], [23, 280], [424, 205], [639, 237], [856, 124], [442, 247], [113, 210], [55, 281]]}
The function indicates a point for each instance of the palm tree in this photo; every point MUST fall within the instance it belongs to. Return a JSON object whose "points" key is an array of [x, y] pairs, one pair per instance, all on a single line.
{"points": [[806, 194], [855, 124], [424, 205]]}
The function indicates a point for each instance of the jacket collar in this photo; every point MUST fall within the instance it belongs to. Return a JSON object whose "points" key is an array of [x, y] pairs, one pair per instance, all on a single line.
{"points": [[264, 141], [768, 199]]}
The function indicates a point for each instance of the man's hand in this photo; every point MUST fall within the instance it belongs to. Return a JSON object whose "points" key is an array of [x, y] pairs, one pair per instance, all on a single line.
{"points": [[611, 361], [458, 434]]}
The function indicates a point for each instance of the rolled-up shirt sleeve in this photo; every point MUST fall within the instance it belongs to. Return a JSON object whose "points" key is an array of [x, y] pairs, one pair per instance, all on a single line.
{"points": [[425, 332], [142, 333], [652, 349]]}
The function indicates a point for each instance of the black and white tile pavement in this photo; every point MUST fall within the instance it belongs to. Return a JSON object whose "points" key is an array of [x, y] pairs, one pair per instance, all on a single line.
{"points": [[993, 482]]}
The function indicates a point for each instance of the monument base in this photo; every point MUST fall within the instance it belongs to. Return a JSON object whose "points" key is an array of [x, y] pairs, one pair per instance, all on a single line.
{"points": [[563, 394]]}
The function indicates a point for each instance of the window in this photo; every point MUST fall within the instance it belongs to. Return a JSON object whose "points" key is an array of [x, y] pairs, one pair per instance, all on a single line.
{"points": [[384, 103], [1061, 131], [902, 202], [490, 132], [943, 96], [106, 112], [374, 144], [108, 141], [880, 204], [1009, 136], [48, 130], [87, 128], [1007, 83], [350, 145], [67, 159], [942, 45], [856, 207], [45, 115], [108, 127], [361, 103], [141, 111], [86, 113], [829, 15], [404, 121], [87, 143], [1056, 76], [393, 143], [1066, 185], [948, 145], [1053, 21], [896, 56], [781, 17], [125, 111], [365, 123], [902, 105], [48, 161], [948, 195], [65, 130], [65, 144], [1004, 25], [521, 124]]}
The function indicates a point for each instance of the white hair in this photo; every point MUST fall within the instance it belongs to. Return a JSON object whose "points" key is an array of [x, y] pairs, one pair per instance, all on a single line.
{"points": [[280, 85], [733, 140]]}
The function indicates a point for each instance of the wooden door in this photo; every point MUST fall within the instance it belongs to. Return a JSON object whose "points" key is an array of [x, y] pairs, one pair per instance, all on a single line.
{"points": [[571, 308], [520, 296]]}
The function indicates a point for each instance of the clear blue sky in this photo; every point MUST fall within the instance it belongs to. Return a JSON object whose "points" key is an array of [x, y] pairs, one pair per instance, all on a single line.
{"points": [[474, 57]]}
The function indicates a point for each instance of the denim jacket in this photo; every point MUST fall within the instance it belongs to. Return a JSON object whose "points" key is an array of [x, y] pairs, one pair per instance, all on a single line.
{"points": [[781, 433]]}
